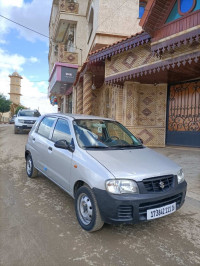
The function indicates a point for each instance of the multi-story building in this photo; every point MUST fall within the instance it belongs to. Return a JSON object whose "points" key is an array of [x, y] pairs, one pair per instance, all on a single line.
{"points": [[150, 82], [78, 27]]}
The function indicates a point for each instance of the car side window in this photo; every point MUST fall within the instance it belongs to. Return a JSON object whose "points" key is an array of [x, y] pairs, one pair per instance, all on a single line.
{"points": [[46, 126], [62, 131]]}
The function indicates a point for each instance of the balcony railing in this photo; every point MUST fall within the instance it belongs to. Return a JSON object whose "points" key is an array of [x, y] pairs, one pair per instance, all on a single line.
{"points": [[68, 7], [66, 56]]}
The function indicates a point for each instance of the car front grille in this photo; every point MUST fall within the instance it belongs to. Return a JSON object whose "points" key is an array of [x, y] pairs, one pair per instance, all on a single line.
{"points": [[29, 121], [157, 204], [158, 184], [125, 212]]}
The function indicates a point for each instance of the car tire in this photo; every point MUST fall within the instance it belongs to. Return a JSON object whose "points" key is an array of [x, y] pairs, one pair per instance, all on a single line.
{"points": [[30, 169], [87, 210], [16, 130]]}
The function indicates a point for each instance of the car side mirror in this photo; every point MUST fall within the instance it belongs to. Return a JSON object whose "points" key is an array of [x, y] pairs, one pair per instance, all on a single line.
{"points": [[63, 144], [141, 140]]}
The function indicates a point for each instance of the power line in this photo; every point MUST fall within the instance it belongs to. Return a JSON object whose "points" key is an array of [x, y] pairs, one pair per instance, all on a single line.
{"points": [[38, 80], [112, 14], [25, 27], [37, 32]]}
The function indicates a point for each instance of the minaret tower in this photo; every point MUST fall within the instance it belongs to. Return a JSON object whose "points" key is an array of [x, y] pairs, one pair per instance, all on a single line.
{"points": [[15, 88]]}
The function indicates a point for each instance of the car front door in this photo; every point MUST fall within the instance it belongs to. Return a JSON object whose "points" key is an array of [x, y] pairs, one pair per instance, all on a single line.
{"points": [[59, 160]]}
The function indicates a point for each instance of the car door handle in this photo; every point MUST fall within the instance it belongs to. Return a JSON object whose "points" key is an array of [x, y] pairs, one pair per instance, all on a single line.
{"points": [[33, 139], [50, 149]]}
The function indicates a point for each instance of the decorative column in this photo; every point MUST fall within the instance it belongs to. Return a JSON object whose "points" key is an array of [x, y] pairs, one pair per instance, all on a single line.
{"points": [[74, 101], [64, 104], [59, 103], [79, 99], [87, 94]]}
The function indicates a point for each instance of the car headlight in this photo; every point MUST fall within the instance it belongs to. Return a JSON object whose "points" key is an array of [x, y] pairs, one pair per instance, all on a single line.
{"points": [[180, 176], [121, 186], [20, 121]]}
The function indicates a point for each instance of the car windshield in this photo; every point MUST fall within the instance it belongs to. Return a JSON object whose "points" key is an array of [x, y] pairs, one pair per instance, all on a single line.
{"points": [[29, 113], [103, 134]]}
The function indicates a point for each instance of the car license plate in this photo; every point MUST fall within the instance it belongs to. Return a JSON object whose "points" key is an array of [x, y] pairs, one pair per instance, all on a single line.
{"points": [[160, 212]]}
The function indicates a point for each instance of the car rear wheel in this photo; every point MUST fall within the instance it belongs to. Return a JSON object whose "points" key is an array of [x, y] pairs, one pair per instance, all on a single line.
{"points": [[30, 169], [87, 210]]}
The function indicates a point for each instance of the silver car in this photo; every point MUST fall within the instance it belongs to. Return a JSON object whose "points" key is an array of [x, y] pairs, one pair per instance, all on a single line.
{"points": [[113, 177]]}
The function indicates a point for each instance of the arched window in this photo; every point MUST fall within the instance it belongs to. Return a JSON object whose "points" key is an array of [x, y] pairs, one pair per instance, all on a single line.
{"points": [[185, 6], [142, 5], [182, 8], [90, 24]]}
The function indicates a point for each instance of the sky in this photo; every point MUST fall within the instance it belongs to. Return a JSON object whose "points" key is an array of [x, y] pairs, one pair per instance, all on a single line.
{"points": [[26, 52]]}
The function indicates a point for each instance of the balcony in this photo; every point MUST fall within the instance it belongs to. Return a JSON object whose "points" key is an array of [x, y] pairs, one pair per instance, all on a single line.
{"points": [[66, 56], [61, 22], [69, 7]]}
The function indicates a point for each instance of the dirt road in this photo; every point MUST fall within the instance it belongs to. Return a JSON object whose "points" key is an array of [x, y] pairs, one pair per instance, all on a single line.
{"points": [[38, 224]]}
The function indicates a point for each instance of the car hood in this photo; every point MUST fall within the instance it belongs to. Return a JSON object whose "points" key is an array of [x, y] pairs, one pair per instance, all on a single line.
{"points": [[135, 164]]}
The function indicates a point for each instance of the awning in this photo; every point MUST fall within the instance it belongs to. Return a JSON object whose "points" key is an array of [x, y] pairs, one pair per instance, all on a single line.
{"points": [[62, 78]]}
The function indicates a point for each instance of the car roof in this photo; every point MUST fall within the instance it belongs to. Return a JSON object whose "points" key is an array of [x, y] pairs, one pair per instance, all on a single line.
{"points": [[79, 116]]}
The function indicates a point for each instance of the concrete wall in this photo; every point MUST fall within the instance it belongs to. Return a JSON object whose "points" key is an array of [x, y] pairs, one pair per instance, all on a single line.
{"points": [[114, 20]]}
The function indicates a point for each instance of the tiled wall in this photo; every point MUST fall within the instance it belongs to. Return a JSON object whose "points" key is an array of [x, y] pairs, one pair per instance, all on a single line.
{"points": [[140, 107]]}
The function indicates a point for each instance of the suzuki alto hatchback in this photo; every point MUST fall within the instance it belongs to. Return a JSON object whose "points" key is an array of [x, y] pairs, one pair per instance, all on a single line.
{"points": [[113, 177]]}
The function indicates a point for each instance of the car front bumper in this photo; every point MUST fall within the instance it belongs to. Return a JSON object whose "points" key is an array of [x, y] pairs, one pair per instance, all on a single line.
{"points": [[133, 208], [23, 127]]}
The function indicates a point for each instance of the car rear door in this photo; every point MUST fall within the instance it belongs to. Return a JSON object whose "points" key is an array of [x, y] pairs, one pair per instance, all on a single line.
{"points": [[40, 143]]}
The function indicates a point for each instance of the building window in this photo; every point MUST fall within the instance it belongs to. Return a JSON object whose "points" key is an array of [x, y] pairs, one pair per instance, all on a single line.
{"points": [[70, 45], [142, 6], [90, 24], [182, 8], [186, 6]]}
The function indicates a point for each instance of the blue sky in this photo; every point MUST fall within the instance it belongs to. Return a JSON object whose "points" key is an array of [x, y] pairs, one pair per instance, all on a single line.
{"points": [[24, 51]]}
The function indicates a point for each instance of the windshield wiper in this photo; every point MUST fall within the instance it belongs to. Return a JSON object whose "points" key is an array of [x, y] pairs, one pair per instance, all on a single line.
{"points": [[128, 146], [96, 147]]}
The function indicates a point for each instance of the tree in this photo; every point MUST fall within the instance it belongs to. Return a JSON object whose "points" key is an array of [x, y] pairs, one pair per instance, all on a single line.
{"points": [[4, 105], [18, 108]]}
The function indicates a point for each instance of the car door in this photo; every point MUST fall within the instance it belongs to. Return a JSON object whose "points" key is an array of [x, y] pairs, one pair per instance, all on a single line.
{"points": [[40, 143], [59, 160]]}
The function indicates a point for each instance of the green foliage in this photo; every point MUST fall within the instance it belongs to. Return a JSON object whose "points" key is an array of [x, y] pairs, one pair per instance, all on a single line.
{"points": [[18, 108], [4, 104]]}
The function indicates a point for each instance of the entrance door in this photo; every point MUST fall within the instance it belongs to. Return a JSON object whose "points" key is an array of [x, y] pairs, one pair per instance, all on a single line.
{"points": [[183, 121]]}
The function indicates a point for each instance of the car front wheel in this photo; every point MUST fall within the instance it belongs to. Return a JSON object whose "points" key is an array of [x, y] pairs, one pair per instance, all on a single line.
{"points": [[87, 210], [30, 169], [16, 130]]}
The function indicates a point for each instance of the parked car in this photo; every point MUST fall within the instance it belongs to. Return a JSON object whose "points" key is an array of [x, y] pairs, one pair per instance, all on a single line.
{"points": [[113, 177], [12, 120], [25, 119]]}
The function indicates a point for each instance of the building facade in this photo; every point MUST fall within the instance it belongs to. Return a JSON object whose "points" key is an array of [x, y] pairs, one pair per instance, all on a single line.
{"points": [[150, 81], [78, 27]]}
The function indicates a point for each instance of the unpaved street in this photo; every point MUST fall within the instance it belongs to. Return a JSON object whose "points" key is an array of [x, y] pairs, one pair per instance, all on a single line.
{"points": [[38, 224]]}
